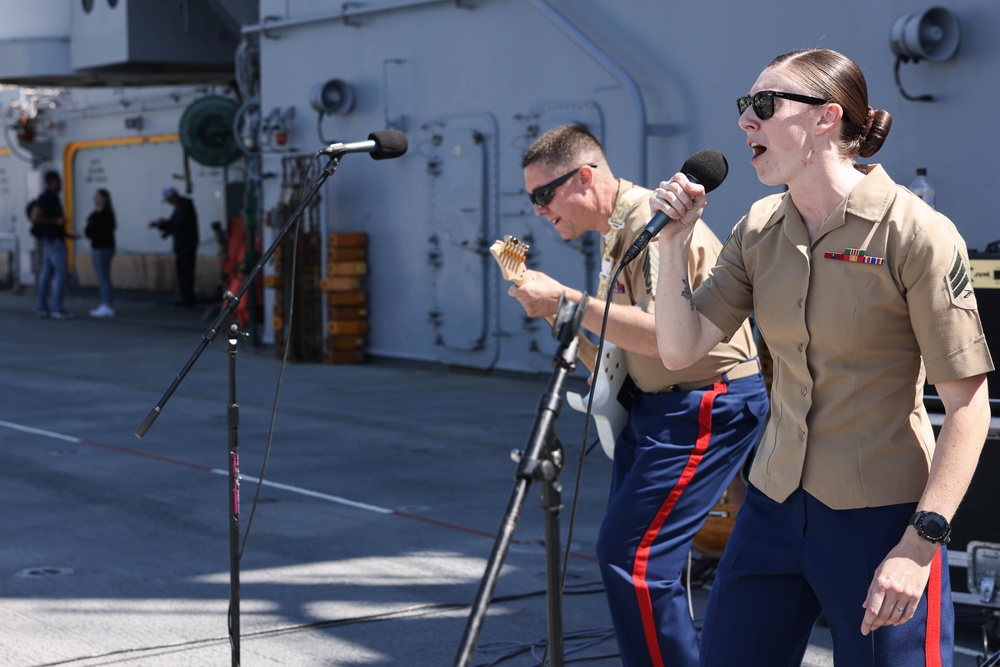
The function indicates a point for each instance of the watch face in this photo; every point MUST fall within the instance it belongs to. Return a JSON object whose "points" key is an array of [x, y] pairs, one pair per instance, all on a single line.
{"points": [[933, 525]]}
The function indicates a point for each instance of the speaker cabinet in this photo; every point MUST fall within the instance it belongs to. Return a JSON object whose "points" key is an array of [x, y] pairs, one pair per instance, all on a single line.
{"points": [[978, 517], [985, 270]]}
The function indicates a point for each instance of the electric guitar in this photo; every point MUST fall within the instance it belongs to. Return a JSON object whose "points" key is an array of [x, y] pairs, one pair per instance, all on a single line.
{"points": [[611, 399]]}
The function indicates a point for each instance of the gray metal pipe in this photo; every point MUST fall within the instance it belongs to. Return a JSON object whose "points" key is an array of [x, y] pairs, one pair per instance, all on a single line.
{"points": [[619, 72], [346, 11]]}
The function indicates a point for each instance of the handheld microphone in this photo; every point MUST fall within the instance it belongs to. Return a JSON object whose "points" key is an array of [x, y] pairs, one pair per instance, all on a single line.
{"points": [[708, 168], [383, 145]]}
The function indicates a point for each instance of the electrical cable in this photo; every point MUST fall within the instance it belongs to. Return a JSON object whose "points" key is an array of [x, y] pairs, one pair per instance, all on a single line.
{"points": [[690, 597], [277, 393], [410, 611], [584, 450], [583, 639], [16, 152], [319, 129], [281, 374], [912, 98]]}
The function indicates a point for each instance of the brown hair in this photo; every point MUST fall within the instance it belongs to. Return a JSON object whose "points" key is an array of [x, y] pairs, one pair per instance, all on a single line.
{"points": [[835, 77], [564, 145]]}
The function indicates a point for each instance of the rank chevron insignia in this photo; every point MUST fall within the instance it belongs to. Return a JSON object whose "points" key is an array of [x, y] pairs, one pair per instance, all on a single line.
{"points": [[958, 278]]}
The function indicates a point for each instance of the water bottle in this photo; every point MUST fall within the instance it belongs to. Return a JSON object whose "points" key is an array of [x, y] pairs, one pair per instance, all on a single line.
{"points": [[922, 188]]}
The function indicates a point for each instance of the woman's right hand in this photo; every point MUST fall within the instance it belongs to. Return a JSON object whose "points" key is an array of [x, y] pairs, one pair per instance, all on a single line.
{"points": [[681, 200]]}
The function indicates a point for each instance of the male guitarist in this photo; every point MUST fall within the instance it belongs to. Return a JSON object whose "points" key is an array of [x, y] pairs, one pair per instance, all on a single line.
{"points": [[688, 431]]}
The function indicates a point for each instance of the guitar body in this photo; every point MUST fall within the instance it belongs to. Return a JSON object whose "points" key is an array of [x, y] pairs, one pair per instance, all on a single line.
{"points": [[711, 538], [610, 409]]}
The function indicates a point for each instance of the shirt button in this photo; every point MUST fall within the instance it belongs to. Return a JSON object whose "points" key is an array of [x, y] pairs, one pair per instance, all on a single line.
{"points": [[800, 303], [800, 347], [804, 391], [802, 435]]}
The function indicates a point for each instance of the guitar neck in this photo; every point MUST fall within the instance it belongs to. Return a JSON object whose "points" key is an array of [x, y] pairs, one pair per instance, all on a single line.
{"points": [[587, 353], [510, 254]]}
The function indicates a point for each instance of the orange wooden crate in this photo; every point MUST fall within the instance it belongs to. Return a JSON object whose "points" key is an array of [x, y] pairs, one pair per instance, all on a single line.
{"points": [[339, 283], [347, 269], [344, 327], [346, 254], [341, 239], [352, 298], [346, 312], [345, 342]]}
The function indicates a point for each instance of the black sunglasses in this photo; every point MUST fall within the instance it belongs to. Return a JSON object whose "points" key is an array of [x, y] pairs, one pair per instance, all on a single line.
{"points": [[542, 195], [763, 102]]}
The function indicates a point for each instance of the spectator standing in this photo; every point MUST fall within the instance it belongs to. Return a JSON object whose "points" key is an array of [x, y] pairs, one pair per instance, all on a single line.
{"points": [[49, 226], [183, 226], [101, 232]]}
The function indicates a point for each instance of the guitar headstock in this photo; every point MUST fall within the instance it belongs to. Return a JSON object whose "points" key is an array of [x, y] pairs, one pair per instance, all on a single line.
{"points": [[510, 255]]}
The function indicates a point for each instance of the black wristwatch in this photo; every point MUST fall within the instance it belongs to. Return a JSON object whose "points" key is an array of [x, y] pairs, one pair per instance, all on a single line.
{"points": [[932, 527]]}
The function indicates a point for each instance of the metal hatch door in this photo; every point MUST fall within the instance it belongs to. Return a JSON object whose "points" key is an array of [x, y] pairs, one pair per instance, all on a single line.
{"points": [[461, 168]]}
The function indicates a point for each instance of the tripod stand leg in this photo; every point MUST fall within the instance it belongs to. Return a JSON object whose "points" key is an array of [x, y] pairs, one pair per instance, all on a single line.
{"points": [[541, 460], [489, 581]]}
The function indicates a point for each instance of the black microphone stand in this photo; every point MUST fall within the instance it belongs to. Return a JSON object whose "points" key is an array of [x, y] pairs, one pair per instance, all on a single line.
{"points": [[541, 460], [233, 408]]}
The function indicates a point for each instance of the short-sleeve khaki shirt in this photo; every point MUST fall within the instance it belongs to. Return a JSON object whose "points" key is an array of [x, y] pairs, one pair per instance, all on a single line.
{"points": [[636, 287], [852, 338]]}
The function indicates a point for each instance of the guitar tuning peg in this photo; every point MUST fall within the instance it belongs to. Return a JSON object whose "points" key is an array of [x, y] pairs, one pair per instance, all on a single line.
{"points": [[514, 248]]}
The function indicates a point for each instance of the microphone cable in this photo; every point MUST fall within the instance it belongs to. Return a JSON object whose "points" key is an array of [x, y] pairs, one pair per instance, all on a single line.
{"points": [[586, 448], [281, 373], [277, 393]]}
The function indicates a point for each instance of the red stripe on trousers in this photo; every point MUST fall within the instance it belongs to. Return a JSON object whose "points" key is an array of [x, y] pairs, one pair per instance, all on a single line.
{"points": [[932, 632], [642, 553]]}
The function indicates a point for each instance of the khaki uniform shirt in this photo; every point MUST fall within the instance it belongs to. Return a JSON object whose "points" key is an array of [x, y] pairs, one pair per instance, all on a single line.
{"points": [[636, 286], [850, 339]]}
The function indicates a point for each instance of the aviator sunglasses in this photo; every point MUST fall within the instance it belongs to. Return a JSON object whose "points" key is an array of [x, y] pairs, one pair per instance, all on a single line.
{"points": [[763, 102], [542, 195]]}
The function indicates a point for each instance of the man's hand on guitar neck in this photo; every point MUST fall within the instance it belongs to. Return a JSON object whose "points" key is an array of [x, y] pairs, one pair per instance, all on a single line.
{"points": [[629, 328], [540, 295]]}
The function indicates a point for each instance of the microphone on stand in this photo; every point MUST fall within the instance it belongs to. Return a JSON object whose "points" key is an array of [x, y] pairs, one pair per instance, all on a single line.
{"points": [[708, 168], [383, 145]]}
